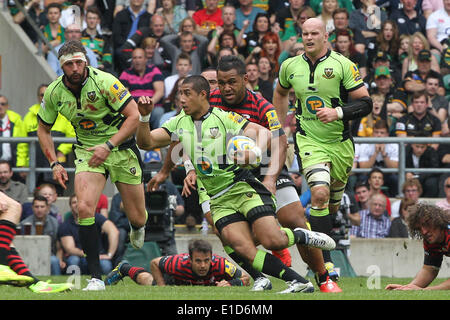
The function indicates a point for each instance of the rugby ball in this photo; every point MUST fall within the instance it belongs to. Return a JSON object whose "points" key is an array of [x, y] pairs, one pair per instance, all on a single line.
{"points": [[241, 143]]}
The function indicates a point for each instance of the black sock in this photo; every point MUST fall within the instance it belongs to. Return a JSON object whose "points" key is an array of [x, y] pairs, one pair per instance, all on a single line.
{"points": [[127, 269], [90, 244], [322, 224], [244, 264], [16, 263], [271, 265]]}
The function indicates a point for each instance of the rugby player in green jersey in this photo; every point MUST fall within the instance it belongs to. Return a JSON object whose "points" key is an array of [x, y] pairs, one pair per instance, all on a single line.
{"points": [[241, 206], [105, 118], [323, 80]]}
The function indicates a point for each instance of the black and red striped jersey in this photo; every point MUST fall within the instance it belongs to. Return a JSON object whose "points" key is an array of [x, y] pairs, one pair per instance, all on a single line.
{"points": [[434, 253], [179, 266], [253, 107]]}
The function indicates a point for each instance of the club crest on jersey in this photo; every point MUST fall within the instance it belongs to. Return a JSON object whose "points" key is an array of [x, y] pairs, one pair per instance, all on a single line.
{"points": [[92, 96], [328, 73], [214, 132], [133, 171]]}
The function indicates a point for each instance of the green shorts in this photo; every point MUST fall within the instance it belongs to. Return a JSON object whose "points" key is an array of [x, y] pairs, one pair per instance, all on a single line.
{"points": [[340, 155], [245, 201], [121, 165]]}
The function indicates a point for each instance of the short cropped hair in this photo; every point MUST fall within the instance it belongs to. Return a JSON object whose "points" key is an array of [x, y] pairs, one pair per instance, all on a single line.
{"points": [[199, 83], [227, 63], [199, 245]]}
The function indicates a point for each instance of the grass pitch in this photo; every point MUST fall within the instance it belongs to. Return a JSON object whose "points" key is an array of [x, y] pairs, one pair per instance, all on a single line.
{"points": [[360, 288]]}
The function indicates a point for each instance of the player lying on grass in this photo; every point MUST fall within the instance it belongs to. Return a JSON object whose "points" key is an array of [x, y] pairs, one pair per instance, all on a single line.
{"points": [[13, 270], [432, 224], [242, 207], [198, 267]]}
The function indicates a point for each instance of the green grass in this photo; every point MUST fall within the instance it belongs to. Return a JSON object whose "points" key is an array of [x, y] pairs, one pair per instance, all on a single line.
{"points": [[353, 289]]}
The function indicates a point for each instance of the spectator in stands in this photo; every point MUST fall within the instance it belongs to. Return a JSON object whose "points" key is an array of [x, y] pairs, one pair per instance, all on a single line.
{"points": [[437, 27], [75, 13], [395, 100], [382, 59], [362, 195], [187, 45], [173, 14], [209, 17], [61, 128], [439, 104], [149, 5], [256, 83], [72, 32], [328, 7], [430, 6], [172, 103], [399, 227], [341, 23], [411, 189], [210, 74], [183, 67], [198, 267], [48, 191], [223, 39], [420, 122], [53, 31], [253, 39], [409, 20], [368, 21], [445, 203], [404, 41], [383, 155], [419, 60], [418, 155], [266, 74], [292, 49], [375, 181], [11, 125], [386, 41], [365, 126], [317, 5], [155, 31], [374, 223], [431, 224], [128, 21], [14, 189], [70, 241], [91, 38], [145, 80], [344, 45], [36, 13], [41, 209], [287, 16], [228, 18], [271, 48], [246, 11]]}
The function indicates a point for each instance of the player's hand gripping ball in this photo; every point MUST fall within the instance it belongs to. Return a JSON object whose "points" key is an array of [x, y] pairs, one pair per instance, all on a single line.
{"points": [[243, 151]]}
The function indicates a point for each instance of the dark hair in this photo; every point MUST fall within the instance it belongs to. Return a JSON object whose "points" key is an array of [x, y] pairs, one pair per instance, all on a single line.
{"points": [[259, 15], [199, 245], [71, 46], [227, 63], [340, 10], [6, 162], [418, 94], [381, 124], [199, 83], [422, 214], [42, 85], [40, 198], [185, 56], [54, 5], [374, 170], [360, 184], [94, 10]]}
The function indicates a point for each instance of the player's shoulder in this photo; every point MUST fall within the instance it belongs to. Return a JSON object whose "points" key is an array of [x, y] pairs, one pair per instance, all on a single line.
{"points": [[293, 61], [100, 76]]}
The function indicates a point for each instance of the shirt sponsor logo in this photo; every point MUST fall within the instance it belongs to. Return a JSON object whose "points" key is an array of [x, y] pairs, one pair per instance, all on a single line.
{"points": [[313, 103], [272, 118], [118, 90], [87, 124], [235, 117], [355, 73]]}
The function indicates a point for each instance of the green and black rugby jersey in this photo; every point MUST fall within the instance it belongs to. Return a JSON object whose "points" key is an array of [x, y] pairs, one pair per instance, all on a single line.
{"points": [[323, 84], [205, 142], [94, 112]]}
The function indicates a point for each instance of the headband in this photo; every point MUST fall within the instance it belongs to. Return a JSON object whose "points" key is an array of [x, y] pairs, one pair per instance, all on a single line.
{"points": [[72, 56]]}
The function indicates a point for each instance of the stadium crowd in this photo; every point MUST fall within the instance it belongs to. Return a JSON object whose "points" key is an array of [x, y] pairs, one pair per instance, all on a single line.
{"points": [[402, 50]]}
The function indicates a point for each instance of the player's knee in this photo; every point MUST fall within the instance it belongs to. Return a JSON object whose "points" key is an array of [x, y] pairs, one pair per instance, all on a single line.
{"points": [[320, 196], [276, 241], [292, 216], [145, 279]]}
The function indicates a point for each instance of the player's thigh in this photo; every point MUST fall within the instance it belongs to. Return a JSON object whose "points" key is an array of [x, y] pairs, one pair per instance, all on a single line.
{"points": [[342, 161], [268, 233], [88, 188], [239, 237], [133, 199]]}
